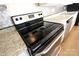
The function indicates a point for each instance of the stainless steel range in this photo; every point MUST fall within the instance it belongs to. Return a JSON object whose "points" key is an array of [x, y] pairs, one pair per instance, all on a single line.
{"points": [[36, 33]]}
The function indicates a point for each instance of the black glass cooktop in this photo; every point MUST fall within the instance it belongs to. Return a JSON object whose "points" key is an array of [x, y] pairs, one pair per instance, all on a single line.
{"points": [[38, 34]]}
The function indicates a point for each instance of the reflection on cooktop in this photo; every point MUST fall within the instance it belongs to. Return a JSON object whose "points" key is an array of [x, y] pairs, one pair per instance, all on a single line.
{"points": [[38, 34]]}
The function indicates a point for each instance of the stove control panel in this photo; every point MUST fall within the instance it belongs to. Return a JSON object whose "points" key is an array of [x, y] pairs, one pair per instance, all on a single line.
{"points": [[18, 19]]}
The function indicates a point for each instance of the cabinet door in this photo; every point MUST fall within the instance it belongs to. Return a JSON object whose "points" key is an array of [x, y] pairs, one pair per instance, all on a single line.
{"points": [[68, 26]]}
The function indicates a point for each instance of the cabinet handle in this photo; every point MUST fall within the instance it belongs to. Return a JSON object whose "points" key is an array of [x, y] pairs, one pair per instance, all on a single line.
{"points": [[68, 21]]}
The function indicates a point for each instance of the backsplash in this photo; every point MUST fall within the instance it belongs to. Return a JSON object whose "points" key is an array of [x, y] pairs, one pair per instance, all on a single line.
{"points": [[5, 20], [50, 9]]}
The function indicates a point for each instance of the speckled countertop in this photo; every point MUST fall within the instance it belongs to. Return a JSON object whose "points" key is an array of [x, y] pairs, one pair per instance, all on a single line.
{"points": [[11, 44], [60, 18]]}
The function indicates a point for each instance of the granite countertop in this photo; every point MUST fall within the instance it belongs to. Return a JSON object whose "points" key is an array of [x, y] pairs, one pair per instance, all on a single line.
{"points": [[60, 18], [11, 44]]}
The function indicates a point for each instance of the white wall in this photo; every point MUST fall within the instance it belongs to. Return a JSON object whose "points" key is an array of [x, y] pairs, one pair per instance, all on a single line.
{"points": [[22, 8], [50, 9], [43, 1]]}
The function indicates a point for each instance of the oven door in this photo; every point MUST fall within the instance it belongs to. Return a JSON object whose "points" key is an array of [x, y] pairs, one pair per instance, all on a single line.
{"points": [[53, 48]]}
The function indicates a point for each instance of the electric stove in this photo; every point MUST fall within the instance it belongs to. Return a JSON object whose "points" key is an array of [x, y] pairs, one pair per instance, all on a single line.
{"points": [[35, 32]]}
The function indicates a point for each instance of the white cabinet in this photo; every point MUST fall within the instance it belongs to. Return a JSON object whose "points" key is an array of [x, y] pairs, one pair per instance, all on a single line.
{"points": [[68, 26], [73, 20]]}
